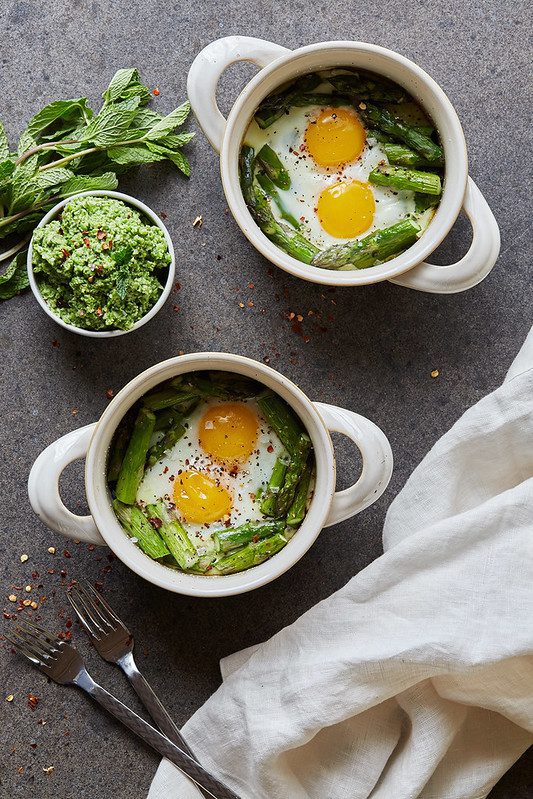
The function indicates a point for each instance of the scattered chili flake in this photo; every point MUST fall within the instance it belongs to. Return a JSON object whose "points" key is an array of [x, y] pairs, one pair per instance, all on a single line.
{"points": [[241, 305], [90, 547], [109, 393], [56, 343], [68, 624], [24, 558], [100, 234], [156, 92], [251, 286], [250, 303], [9, 698], [198, 222], [163, 215], [266, 359], [87, 241], [26, 602], [65, 253], [66, 553], [63, 573], [34, 605], [292, 315], [362, 106], [28, 589], [90, 279], [435, 373], [52, 550], [48, 769], [12, 598], [33, 701], [99, 312], [270, 448], [155, 522], [176, 308], [7, 615], [106, 245]]}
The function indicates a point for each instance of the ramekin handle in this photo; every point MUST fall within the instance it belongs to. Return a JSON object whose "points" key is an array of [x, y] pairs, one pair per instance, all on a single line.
{"points": [[474, 266], [43, 487], [206, 70], [376, 455]]}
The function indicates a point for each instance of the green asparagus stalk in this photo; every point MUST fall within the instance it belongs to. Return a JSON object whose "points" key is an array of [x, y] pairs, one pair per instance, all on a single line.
{"points": [[398, 177], [235, 537], [166, 418], [168, 397], [293, 476], [171, 437], [132, 468], [371, 250], [366, 87], [268, 504], [173, 534], [250, 555], [137, 526], [425, 201], [266, 184], [386, 122], [289, 240], [275, 105], [297, 510], [403, 156], [269, 161], [332, 100], [282, 419], [120, 444]]}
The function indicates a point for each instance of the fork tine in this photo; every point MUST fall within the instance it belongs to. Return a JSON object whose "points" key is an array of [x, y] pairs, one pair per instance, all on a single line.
{"points": [[87, 618], [42, 635], [29, 649], [100, 605]]}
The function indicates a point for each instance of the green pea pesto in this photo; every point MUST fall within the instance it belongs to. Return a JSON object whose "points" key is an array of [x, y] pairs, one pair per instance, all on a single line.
{"points": [[98, 265]]}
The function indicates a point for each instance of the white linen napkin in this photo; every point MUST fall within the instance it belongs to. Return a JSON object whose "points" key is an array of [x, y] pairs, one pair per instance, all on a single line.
{"points": [[416, 678]]}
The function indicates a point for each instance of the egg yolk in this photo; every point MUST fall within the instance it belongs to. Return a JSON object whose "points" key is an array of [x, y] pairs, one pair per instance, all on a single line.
{"points": [[335, 137], [228, 432], [199, 499], [346, 209]]}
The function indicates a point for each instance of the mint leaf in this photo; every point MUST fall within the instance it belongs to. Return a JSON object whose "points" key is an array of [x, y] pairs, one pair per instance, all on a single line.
{"points": [[62, 114], [122, 258], [26, 142], [4, 144], [126, 83], [111, 124], [108, 181], [133, 155], [6, 170], [54, 177], [15, 278], [176, 140], [166, 125], [176, 156]]}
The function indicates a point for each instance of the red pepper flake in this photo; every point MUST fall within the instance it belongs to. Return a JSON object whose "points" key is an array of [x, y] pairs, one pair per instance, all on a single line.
{"points": [[165, 470], [176, 308], [68, 624], [155, 522], [68, 635], [177, 286], [33, 701], [66, 553], [99, 312], [255, 539], [270, 448], [109, 393], [100, 234], [91, 547], [266, 359], [302, 219], [87, 241], [163, 215], [63, 572], [56, 343], [251, 286], [98, 585], [156, 92], [65, 253]]}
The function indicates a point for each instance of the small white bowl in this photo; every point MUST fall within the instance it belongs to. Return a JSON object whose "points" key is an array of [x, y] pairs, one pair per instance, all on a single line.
{"points": [[144, 209]]}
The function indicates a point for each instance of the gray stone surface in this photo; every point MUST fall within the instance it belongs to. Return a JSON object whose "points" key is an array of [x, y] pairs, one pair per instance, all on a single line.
{"points": [[376, 355]]}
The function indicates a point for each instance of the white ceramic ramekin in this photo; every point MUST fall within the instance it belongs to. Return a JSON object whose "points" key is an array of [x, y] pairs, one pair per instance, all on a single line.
{"points": [[92, 443], [143, 209], [279, 65]]}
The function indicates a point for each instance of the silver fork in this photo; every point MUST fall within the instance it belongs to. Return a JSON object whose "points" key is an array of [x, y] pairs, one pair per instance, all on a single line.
{"points": [[63, 664], [114, 643]]}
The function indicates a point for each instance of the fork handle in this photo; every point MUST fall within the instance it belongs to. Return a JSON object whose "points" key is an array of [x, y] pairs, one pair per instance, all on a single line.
{"points": [[212, 787]]}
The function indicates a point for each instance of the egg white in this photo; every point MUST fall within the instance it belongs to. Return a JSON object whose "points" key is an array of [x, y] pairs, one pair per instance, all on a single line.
{"points": [[286, 136], [187, 454]]}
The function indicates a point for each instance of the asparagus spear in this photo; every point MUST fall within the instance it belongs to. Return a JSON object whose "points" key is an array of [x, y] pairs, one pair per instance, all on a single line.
{"points": [[172, 435], [286, 238], [403, 156], [385, 121], [250, 555], [425, 201], [166, 418], [293, 475], [246, 173], [266, 184], [120, 444], [406, 179], [132, 468], [235, 537], [275, 105], [268, 505], [372, 250], [367, 87], [137, 526], [282, 419], [173, 534], [308, 98], [268, 159], [296, 513], [168, 397]]}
